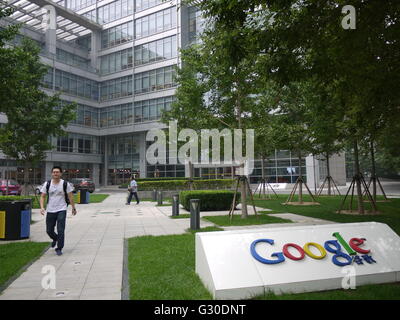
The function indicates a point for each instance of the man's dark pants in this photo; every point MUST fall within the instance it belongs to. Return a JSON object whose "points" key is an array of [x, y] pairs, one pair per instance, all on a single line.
{"points": [[130, 197], [52, 219]]}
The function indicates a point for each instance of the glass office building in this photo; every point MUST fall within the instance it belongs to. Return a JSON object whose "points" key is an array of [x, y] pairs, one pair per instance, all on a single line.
{"points": [[116, 59]]}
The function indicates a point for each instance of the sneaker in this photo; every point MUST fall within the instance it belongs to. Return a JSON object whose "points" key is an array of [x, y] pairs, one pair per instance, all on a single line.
{"points": [[59, 252], [53, 244], [137, 202]]}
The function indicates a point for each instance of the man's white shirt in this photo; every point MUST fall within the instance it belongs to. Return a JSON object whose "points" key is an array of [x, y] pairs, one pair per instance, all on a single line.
{"points": [[134, 186], [56, 195]]}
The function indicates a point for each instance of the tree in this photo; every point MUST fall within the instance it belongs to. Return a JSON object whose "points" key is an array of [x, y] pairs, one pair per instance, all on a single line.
{"points": [[221, 68], [9, 60], [33, 116]]}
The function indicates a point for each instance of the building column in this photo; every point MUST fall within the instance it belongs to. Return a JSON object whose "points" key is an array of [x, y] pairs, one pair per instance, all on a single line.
{"points": [[337, 165], [142, 156], [95, 48], [50, 26], [48, 165], [105, 169], [96, 174]]}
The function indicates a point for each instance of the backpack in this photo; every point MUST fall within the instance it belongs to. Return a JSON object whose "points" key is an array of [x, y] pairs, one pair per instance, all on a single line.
{"points": [[65, 191]]}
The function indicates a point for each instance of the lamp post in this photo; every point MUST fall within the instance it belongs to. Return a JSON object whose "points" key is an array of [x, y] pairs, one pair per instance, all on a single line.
{"points": [[159, 198], [175, 205], [194, 214]]}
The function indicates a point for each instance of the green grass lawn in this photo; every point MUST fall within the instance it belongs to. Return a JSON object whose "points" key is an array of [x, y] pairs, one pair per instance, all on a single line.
{"points": [[181, 216], [163, 268], [261, 218], [389, 291], [390, 211], [14, 256], [94, 197]]}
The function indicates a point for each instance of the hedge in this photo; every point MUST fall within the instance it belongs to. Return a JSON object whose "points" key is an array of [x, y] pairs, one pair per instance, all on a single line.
{"points": [[184, 184], [35, 204], [210, 200]]}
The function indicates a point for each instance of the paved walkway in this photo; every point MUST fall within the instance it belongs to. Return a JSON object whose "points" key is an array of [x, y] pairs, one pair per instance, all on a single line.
{"points": [[92, 264]]}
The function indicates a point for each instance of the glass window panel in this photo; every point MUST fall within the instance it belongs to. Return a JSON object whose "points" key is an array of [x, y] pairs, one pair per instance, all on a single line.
{"points": [[160, 21], [138, 28], [167, 19], [152, 24], [152, 51], [159, 50], [118, 61]]}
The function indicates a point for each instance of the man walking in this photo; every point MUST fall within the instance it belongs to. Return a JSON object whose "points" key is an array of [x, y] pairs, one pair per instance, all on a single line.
{"points": [[59, 195], [133, 191]]}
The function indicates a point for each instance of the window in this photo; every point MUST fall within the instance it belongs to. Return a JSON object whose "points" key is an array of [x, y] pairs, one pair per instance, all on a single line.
{"points": [[156, 22], [151, 109]]}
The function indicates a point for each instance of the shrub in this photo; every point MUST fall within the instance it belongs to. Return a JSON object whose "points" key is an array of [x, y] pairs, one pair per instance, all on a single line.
{"points": [[183, 184], [35, 204], [210, 200]]}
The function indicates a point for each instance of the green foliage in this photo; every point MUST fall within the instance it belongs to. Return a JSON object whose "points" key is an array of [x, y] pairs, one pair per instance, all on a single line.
{"points": [[32, 115], [183, 184], [35, 200], [210, 200]]}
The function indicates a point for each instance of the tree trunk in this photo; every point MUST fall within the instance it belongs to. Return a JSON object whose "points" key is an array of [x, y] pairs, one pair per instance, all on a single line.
{"points": [[243, 189], [358, 179], [373, 171], [262, 167], [300, 181], [190, 175], [26, 178], [328, 170]]}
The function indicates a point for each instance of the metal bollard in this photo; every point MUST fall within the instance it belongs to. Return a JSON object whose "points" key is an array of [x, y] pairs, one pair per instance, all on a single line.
{"points": [[175, 205], [154, 195], [194, 214], [159, 198]]}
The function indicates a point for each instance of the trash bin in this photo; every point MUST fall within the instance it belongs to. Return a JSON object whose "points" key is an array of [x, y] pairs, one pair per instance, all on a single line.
{"points": [[83, 196], [15, 219]]}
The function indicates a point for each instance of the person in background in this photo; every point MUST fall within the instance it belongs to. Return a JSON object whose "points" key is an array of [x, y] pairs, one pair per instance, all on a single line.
{"points": [[132, 188]]}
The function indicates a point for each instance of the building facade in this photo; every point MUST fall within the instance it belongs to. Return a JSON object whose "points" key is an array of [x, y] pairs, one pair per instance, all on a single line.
{"points": [[116, 59]]}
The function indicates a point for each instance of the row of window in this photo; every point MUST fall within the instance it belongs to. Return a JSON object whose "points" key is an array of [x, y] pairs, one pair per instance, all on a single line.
{"points": [[117, 35], [155, 22], [114, 11], [116, 88], [85, 115], [140, 5], [76, 85], [152, 109], [116, 61], [148, 25], [153, 80], [145, 4], [72, 59], [116, 115], [78, 143], [121, 114], [150, 52], [147, 81], [76, 5], [127, 145], [155, 51]]}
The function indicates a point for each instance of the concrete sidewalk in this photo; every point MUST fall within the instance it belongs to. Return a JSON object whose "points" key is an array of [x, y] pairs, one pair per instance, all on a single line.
{"points": [[92, 264]]}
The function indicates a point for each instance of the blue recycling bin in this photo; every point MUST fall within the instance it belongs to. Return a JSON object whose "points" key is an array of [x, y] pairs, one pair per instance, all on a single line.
{"points": [[83, 196], [15, 219]]}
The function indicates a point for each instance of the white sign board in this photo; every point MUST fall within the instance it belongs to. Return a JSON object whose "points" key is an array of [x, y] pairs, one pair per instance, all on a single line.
{"points": [[241, 264]]}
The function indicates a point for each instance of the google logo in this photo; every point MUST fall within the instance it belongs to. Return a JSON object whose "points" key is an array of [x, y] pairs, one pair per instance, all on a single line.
{"points": [[339, 258]]}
